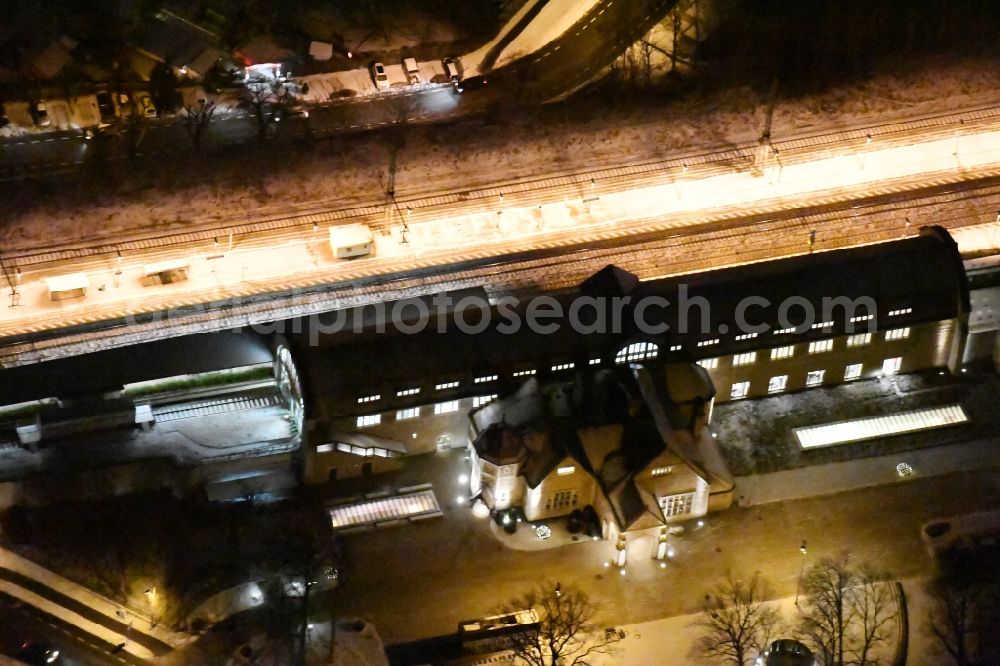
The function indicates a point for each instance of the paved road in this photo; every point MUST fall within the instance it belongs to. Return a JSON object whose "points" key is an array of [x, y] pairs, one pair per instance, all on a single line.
{"points": [[20, 622], [120, 627], [562, 66], [434, 574]]}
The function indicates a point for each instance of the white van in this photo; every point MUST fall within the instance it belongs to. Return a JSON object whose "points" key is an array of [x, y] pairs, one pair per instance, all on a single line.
{"points": [[412, 70], [451, 69]]}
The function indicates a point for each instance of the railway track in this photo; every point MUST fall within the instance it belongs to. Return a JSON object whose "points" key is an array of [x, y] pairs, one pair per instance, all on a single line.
{"points": [[725, 239], [717, 160]]}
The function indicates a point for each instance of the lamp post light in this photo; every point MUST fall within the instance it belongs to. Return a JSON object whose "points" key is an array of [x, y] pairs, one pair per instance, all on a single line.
{"points": [[802, 566]]}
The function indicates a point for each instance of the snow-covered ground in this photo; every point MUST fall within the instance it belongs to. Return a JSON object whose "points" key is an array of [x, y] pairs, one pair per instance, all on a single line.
{"points": [[468, 156]]}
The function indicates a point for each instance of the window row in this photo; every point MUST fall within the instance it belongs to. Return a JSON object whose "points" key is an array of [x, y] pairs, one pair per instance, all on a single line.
{"points": [[448, 407], [645, 350], [779, 383]]}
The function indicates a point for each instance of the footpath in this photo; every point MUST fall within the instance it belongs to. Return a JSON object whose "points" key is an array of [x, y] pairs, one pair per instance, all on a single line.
{"points": [[860, 473]]}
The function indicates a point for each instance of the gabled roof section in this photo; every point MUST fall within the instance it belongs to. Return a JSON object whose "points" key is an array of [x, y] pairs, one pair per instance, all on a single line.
{"points": [[500, 444], [597, 443], [601, 397], [630, 503], [544, 453], [610, 281], [679, 441]]}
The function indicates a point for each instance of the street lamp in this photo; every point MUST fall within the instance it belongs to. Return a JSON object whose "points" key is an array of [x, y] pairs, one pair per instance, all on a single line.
{"points": [[802, 566]]}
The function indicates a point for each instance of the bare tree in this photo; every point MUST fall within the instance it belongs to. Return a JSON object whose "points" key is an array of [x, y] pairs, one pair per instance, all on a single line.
{"points": [[828, 610], [565, 635], [873, 606], [964, 617], [196, 120], [950, 619], [848, 612], [736, 622], [268, 99], [134, 126]]}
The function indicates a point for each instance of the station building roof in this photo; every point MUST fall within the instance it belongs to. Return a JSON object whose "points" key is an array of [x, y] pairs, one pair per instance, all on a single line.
{"points": [[111, 369]]}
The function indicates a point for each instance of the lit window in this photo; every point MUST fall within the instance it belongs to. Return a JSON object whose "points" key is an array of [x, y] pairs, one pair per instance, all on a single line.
{"points": [[661, 471], [411, 413], [675, 347], [707, 343], [564, 471], [890, 366], [595, 361], [782, 352], [820, 346], [782, 331], [897, 334], [636, 351], [709, 363], [823, 324], [369, 420], [677, 505], [560, 500], [777, 384], [487, 378], [481, 400], [900, 311], [852, 371], [746, 336], [859, 340], [563, 366], [867, 317], [815, 377], [524, 373], [446, 385], [369, 398], [744, 359], [446, 407], [739, 390], [410, 391]]}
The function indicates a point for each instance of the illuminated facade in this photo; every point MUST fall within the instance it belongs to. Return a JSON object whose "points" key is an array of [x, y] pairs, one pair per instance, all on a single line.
{"points": [[631, 442], [877, 310]]}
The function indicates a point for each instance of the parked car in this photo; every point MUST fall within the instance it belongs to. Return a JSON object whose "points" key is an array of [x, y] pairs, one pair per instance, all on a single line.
{"points": [[145, 105], [412, 70], [471, 83], [451, 70], [40, 113], [379, 76]]}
